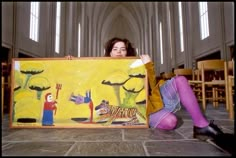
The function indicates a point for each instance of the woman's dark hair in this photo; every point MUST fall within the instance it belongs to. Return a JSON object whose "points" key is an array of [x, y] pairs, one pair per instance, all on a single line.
{"points": [[109, 45]]}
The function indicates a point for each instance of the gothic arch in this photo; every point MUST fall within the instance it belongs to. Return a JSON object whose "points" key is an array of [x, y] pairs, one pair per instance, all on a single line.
{"points": [[116, 14]]}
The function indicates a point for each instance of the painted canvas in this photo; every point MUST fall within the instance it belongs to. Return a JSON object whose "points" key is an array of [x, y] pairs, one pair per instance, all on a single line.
{"points": [[100, 92]]}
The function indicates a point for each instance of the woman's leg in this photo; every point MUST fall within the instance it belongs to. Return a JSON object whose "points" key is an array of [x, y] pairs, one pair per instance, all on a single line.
{"points": [[163, 119], [189, 101], [168, 123]]}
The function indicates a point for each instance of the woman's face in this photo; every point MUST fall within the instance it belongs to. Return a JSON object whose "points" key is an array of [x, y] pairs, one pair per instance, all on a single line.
{"points": [[118, 50]]}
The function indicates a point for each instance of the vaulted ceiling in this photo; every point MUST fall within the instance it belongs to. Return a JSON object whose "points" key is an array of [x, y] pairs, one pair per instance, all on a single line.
{"points": [[122, 19]]}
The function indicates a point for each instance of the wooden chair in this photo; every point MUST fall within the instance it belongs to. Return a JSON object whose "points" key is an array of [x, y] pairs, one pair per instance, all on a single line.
{"points": [[196, 85], [4, 70], [167, 75], [188, 73], [196, 74], [229, 72], [211, 81], [196, 82], [230, 98], [2, 82], [5, 83]]}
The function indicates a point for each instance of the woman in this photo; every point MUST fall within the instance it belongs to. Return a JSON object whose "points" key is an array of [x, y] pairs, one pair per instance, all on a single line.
{"points": [[166, 96]]}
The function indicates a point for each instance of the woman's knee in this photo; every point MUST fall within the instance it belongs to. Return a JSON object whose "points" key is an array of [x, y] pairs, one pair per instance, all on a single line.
{"points": [[181, 79], [168, 123]]}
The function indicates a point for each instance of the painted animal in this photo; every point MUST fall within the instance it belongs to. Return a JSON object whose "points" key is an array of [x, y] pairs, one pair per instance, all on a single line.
{"points": [[79, 99], [111, 112]]}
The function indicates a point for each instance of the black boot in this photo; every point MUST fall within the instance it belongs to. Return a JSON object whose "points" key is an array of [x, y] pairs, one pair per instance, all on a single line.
{"points": [[227, 142], [209, 132]]}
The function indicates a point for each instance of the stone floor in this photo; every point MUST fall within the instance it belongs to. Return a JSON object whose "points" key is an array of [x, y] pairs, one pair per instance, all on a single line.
{"points": [[115, 142]]}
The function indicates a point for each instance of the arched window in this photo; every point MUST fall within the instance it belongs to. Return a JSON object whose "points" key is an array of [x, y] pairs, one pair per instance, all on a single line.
{"points": [[161, 44], [34, 21], [79, 40], [203, 14], [181, 27], [58, 22]]}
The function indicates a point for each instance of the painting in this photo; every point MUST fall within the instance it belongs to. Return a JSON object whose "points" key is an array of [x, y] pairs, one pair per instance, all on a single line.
{"points": [[96, 92]]}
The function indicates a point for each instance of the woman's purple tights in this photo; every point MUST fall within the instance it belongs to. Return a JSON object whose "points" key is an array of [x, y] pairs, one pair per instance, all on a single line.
{"points": [[189, 101]]}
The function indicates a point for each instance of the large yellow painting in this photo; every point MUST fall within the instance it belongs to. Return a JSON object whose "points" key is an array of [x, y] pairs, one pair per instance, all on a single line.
{"points": [[101, 92]]}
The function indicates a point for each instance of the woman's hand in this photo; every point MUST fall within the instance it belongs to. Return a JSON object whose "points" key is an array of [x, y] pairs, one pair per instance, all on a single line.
{"points": [[145, 58], [69, 57]]}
